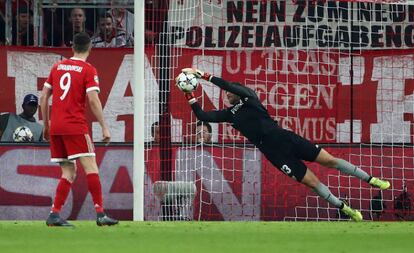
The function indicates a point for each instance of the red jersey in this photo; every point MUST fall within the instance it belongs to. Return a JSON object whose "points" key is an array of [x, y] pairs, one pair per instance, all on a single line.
{"points": [[70, 80]]}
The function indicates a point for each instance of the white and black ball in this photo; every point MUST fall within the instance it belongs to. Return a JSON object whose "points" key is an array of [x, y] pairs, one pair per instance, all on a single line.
{"points": [[23, 134], [187, 82]]}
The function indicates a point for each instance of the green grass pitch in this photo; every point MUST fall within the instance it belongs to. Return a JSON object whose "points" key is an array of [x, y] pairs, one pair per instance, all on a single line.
{"points": [[211, 237]]}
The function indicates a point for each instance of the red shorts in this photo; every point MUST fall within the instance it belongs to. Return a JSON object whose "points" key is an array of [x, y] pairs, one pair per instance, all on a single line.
{"points": [[65, 148]]}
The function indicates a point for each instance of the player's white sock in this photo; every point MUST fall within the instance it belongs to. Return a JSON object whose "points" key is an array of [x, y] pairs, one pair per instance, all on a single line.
{"points": [[350, 169], [324, 192]]}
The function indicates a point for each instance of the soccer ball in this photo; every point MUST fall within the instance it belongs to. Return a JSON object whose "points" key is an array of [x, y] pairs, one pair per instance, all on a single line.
{"points": [[187, 82], [23, 134]]}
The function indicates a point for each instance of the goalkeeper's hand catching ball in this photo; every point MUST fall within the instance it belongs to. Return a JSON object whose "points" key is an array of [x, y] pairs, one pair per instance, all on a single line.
{"points": [[188, 95], [197, 73]]}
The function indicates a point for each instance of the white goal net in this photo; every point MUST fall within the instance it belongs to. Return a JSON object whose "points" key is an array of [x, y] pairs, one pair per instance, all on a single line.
{"points": [[339, 73]]}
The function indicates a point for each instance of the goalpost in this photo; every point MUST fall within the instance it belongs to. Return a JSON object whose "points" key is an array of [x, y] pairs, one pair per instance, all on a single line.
{"points": [[139, 112], [339, 73]]}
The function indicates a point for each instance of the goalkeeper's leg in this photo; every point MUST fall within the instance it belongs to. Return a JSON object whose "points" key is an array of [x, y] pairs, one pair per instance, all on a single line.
{"points": [[326, 159], [323, 191]]}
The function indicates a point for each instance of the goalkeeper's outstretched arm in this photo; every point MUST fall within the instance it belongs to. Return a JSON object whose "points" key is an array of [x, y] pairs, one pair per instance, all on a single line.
{"points": [[234, 88], [210, 116]]}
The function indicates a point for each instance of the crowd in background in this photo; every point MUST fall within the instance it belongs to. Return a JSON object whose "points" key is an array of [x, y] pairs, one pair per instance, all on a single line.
{"points": [[108, 27]]}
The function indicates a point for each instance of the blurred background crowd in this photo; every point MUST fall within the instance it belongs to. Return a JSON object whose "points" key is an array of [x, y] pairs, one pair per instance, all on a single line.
{"points": [[52, 23]]}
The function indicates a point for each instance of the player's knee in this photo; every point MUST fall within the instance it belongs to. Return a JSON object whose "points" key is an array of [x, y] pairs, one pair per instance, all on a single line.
{"points": [[312, 183], [68, 171], [326, 159], [89, 165], [331, 162], [69, 176], [74, 177], [310, 180]]}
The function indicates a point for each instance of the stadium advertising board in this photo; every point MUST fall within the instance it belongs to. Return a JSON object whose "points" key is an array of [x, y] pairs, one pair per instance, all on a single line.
{"points": [[28, 180], [308, 92], [244, 187], [296, 24]]}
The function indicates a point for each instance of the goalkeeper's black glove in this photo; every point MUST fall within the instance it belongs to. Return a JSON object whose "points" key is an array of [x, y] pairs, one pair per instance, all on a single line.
{"points": [[190, 97], [198, 73]]}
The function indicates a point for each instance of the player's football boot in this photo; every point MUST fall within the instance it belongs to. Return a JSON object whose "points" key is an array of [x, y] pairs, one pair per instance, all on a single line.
{"points": [[104, 220], [382, 184], [353, 213], [54, 220]]}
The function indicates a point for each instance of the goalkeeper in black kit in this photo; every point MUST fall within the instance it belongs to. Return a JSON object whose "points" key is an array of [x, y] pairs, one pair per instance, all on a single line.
{"points": [[283, 148]]}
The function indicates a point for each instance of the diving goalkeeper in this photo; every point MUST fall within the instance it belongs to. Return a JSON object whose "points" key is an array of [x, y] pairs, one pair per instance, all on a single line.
{"points": [[283, 148]]}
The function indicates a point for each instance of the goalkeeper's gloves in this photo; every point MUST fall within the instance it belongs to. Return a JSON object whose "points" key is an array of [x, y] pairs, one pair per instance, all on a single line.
{"points": [[190, 97], [198, 73]]}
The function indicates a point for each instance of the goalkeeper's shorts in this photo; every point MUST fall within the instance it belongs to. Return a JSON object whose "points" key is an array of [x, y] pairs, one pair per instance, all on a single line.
{"points": [[286, 150]]}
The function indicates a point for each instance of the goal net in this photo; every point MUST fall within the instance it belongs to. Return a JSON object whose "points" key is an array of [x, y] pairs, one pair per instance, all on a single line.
{"points": [[339, 73]]}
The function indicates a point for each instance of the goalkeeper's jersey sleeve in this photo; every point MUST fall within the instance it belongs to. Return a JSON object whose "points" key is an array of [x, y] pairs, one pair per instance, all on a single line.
{"points": [[234, 88], [210, 116]]}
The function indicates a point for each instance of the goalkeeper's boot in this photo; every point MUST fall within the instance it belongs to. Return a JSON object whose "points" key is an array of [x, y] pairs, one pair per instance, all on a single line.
{"points": [[54, 220], [382, 184], [104, 220], [353, 213]]}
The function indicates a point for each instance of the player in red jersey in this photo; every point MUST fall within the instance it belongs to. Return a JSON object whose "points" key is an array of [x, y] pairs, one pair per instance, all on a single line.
{"points": [[72, 82]]}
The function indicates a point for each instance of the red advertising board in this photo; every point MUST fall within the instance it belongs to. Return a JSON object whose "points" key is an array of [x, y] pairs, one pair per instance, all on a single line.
{"points": [[308, 92], [245, 187]]}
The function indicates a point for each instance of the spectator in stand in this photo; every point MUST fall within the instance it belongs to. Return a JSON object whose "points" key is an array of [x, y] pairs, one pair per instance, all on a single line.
{"points": [[156, 13], [110, 36], [15, 5], [23, 27], [77, 21], [124, 19], [2, 8], [402, 205], [155, 132], [2, 29], [377, 206], [203, 132], [9, 122]]}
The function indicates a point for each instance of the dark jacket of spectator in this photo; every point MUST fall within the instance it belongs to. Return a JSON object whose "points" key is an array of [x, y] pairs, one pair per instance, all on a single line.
{"points": [[2, 30], [22, 28]]}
